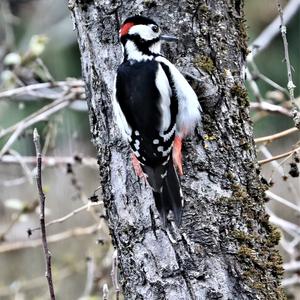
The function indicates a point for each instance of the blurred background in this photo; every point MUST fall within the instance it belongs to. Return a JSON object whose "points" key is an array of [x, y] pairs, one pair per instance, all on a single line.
{"points": [[38, 47]]}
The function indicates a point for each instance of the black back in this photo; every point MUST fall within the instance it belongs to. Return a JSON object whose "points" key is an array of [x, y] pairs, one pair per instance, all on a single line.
{"points": [[139, 100]]}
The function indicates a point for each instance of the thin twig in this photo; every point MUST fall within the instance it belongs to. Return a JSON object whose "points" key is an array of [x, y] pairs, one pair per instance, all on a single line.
{"points": [[271, 31], [38, 282], [284, 224], [292, 266], [75, 232], [27, 90], [26, 209], [290, 281], [253, 86], [286, 154], [291, 86], [278, 167], [38, 116], [36, 140], [86, 206], [283, 201], [266, 106], [273, 137], [114, 274], [105, 291], [51, 161], [90, 277]]}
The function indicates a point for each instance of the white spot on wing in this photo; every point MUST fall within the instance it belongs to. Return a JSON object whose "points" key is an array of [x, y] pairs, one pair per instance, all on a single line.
{"points": [[137, 144], [169, 134], [155, 142], [164, 175], [164, 152], [136, 153]]}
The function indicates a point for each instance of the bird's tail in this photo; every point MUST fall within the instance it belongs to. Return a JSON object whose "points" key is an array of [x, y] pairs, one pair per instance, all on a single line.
{"points": [[169, 196]]}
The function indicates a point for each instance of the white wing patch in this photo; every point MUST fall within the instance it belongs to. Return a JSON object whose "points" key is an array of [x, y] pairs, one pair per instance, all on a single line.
{"points": [[163, 86], [119, 117], [188, 104]]}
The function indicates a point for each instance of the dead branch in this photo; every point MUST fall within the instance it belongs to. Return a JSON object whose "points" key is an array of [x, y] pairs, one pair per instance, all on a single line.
{"points": [[273, 137], [266, 106], [271, 31], [20, 245], [36, 140], [290, 85], [87, 207], [286, 154], [37, 116], [52, 161], [29, 89]]}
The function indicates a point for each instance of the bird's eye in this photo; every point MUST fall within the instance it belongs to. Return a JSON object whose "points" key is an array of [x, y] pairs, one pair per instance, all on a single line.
{"points": [[155, 28]]}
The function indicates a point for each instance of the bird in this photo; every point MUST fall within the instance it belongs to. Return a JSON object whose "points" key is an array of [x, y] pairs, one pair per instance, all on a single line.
{"points": [[154, 108]]}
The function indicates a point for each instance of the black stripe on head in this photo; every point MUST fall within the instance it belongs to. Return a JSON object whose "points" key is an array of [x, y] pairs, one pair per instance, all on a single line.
{"points": [[139, 20], [143, 45]]}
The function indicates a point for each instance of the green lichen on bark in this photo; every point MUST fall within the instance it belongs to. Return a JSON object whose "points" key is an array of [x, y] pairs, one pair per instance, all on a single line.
{"points": [[205, 63]]}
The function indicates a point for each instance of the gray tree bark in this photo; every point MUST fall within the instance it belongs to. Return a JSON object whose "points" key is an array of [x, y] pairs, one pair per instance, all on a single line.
{"points": [[225, 246]]}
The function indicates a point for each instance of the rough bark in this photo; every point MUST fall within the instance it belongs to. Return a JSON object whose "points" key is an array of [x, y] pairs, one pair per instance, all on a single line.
{"points": [[225, 246]]}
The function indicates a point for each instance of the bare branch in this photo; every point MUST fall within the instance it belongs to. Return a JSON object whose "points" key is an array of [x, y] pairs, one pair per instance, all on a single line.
{"points": [[273, 137], [292, 266], [283, 201], [87, 207], [37, 116], [290, 281], [266, 106], [52, 161], [38, 282], [291, 86], [114, 274], [271, 31], [285, 225], [90, 276], [19, 245], [26, 209], [105, 291], [286, 154], [30, 89], [36, 139], [253, 86]]}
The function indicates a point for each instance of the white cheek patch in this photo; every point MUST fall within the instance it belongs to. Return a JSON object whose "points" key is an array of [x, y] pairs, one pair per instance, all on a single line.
{"points": [[133, 52], [144, 31]]}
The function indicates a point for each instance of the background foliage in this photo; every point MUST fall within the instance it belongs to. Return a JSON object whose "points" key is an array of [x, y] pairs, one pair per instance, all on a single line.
{"points": [[44, 47]]}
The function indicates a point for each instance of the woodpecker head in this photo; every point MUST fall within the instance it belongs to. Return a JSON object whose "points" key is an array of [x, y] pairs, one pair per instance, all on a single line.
{"points": [[140, 36]]}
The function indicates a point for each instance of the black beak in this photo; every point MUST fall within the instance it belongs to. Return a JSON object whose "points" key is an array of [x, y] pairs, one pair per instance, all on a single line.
{"points": [[168, 38]]}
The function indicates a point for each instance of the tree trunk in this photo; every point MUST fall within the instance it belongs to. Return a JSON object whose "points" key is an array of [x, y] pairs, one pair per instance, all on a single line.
{"points": [[224, 248]]}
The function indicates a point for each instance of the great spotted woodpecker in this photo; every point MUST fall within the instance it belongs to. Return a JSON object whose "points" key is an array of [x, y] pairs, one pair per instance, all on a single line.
{"points": [[155, 107]]}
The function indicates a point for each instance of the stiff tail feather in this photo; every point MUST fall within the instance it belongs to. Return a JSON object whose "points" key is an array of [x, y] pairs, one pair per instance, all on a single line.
{"points": [[169, 198]]}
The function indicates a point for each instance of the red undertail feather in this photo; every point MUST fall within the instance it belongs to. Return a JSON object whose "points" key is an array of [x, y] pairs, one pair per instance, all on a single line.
{"points": [[137, 166], [177, 155]]}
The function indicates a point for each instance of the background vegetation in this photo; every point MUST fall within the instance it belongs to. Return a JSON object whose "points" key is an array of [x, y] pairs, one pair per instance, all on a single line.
{"points": [[38, 45]]}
